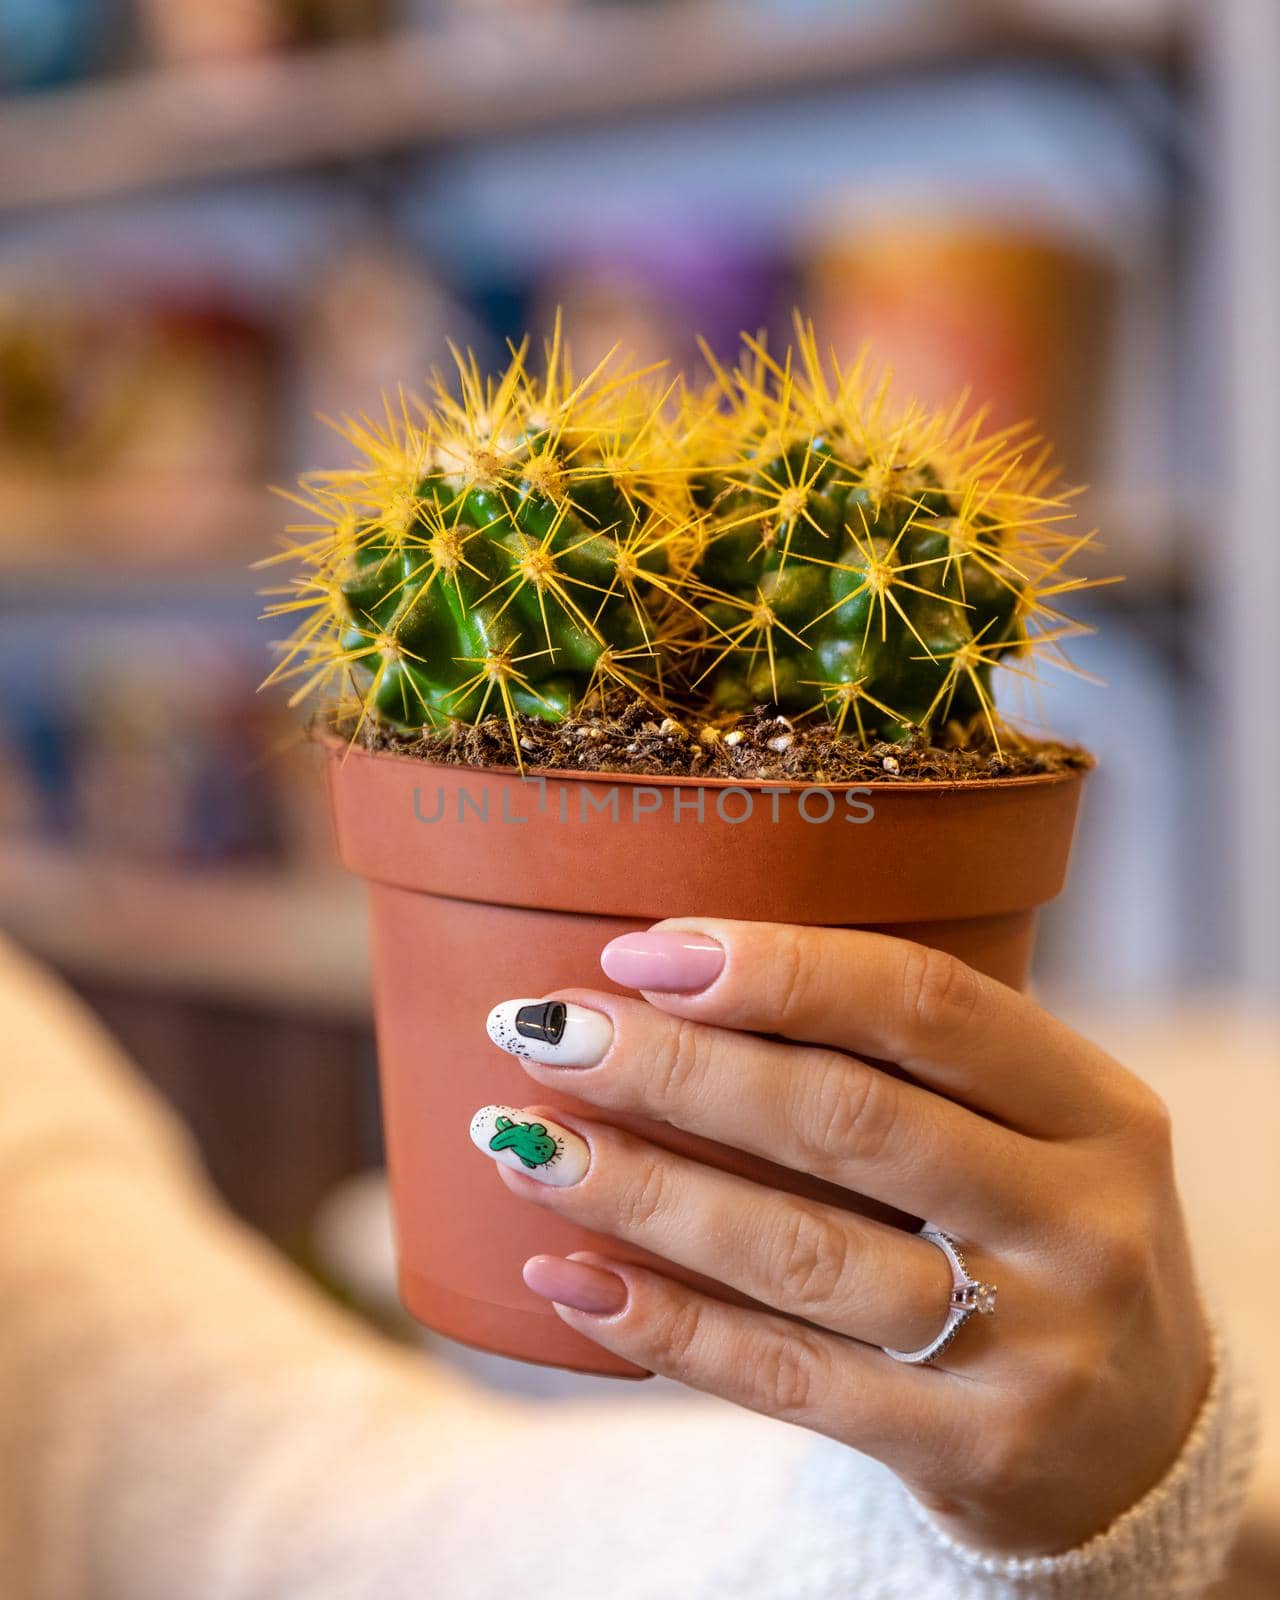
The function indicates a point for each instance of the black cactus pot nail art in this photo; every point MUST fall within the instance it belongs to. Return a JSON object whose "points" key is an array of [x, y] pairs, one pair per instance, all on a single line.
{"points": [[544, 1021]]}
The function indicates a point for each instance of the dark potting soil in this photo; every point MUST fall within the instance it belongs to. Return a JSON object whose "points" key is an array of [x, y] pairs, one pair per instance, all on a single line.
{"points": [[629, 736]]}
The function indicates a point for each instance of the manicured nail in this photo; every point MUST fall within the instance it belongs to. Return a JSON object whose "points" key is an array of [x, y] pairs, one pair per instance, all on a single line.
{"points": [[673, 963], [576, 1284], [553, 1032], [538, 1148]]}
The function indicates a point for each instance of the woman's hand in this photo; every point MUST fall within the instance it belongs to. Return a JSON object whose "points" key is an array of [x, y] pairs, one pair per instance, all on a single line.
{"points": [[1048, 1162]]}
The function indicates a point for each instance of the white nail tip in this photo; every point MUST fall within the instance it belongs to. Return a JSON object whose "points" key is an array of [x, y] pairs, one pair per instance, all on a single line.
{"points": [[530, 1144], [555, 1033]]}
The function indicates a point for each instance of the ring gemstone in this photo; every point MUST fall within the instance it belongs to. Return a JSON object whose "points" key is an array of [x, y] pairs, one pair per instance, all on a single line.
{"points": [[974, 1296]]}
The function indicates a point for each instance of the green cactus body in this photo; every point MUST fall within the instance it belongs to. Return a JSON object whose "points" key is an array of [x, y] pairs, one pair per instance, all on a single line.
{"points": [[529, 1140], [500, 583], [826, 586], [784, 536]]}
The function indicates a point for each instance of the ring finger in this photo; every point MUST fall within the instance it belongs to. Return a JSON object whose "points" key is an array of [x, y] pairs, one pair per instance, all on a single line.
{"points": [[833, 1268]]}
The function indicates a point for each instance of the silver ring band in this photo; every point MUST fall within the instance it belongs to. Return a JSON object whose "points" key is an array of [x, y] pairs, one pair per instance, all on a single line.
{"points": [[967, 1297]]}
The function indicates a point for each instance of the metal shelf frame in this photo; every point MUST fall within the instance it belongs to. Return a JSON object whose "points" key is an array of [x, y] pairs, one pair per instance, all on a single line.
{"points": [[443, 86]]}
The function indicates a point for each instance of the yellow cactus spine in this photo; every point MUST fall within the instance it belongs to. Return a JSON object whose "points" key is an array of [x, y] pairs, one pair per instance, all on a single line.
{"points": [[529, 543]]}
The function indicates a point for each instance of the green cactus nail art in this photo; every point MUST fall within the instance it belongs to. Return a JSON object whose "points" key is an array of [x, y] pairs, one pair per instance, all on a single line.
{"points": [[529, 1140]]}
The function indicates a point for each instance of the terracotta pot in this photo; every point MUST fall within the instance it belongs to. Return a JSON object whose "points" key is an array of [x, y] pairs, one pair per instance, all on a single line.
{"points": [[485, 885]]}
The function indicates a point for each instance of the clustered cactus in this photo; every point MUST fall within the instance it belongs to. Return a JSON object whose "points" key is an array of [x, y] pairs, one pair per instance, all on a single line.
{"points": [[526, 543]]}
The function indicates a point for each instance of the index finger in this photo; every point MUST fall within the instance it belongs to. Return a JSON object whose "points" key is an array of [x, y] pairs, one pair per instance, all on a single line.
{"points": [[949, 1026]]}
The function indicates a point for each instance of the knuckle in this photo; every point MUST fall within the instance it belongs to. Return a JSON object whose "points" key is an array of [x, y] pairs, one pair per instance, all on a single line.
{"points": [[1011, 1456], [1114, 1247], [939, 993], [640, 1201], [678, 1345], [1009, 1453], [785, 1376], [1123, 1262], [814, 1252], [822, 1108], [1062, 1376], [790, 968], [1151, 1122], [1063, 1369], [855, 1115], [679, 1062]]}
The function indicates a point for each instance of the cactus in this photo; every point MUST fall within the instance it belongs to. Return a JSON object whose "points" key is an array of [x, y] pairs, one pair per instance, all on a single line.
{"points": [[510, 546], [876, 565], [521, 544]]}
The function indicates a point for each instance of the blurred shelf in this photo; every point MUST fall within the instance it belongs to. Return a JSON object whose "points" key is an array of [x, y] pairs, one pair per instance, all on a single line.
{"points": [[126, 534], [520, 74], [245, 936]]}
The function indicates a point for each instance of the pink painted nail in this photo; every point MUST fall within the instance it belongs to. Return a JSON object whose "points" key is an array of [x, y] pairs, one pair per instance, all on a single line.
{"points": [[576, 1284], [673, 963]]}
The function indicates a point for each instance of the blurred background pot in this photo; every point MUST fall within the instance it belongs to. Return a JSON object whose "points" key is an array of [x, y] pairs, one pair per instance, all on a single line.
{"points": [[1011, 312], [485, 885]]}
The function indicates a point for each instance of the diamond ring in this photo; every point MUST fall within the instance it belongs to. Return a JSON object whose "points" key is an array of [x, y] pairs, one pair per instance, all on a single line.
{"points": [[968, 1296]]}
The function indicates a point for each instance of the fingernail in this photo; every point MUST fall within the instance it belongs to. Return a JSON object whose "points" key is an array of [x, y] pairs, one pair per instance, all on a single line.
{"points": [[551, 1031], [674, 963], [538, 1148], [576, 1284]]}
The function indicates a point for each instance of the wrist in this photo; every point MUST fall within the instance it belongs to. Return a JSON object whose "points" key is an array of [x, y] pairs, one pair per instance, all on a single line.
{"points": [[1172, 1541]]}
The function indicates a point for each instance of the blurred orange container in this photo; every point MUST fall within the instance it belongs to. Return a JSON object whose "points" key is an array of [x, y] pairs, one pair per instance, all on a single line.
{"points": [[955, 302]]}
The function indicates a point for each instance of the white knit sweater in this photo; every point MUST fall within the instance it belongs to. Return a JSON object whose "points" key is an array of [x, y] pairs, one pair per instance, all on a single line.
{"points": [[182, 1418]]}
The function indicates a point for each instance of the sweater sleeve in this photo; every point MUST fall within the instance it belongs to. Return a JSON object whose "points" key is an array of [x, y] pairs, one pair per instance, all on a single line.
{"points": [[182, 1415]]}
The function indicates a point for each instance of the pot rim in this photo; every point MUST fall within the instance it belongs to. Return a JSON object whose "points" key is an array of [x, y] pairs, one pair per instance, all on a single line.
{"points": [[689, 780]]}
